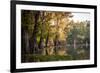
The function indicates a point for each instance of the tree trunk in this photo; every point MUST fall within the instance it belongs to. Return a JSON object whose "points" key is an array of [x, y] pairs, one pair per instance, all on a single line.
{"points": [[41, 43], [56, 37], [25, 43], [74, 43], [86, 44], [41, 46], [47, 38], [33, 40]]}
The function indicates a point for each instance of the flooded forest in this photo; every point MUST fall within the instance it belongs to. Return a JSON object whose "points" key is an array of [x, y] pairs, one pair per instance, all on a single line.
{"points": [[53, 36]]}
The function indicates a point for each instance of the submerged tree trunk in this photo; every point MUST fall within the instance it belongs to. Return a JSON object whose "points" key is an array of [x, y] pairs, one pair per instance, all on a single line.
{"points": [[46, 43], [25, 43], [47, 39], [55, 44], [74, 44], [41, 44]]}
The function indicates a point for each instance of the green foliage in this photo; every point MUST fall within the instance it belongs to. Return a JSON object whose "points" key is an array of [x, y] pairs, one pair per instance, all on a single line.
{"points": [[79, 31], [27, 20]]}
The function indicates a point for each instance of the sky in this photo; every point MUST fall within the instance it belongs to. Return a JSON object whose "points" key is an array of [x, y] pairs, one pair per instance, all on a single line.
{"points": [[80, 16]]}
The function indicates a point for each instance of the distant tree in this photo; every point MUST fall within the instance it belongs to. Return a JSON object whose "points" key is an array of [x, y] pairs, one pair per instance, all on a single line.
{"points": [[79, 36]]}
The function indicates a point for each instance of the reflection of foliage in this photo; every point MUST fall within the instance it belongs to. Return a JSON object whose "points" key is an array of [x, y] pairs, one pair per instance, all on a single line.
{"points": [[42, 58]]}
